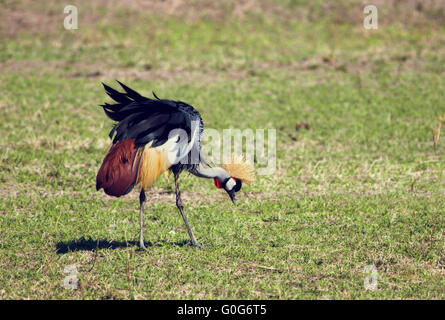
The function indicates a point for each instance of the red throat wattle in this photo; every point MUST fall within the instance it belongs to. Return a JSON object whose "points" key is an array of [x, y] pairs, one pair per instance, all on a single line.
{"points": [[217, 183]]}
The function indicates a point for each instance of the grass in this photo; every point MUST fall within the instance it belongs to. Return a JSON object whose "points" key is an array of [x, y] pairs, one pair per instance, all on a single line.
{"points": [[363, 186]]}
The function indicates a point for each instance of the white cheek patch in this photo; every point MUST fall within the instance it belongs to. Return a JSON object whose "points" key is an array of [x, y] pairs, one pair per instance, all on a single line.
{"points": [[230, 184]]}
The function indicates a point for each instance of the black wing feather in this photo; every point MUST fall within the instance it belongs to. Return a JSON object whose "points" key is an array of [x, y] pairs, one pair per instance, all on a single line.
{"points": [[116, 95], [144, 127], [144, 119], [131, 93], [154, 95]]}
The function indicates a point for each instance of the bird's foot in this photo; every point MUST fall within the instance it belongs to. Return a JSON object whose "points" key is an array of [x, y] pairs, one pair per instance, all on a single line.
{"points": [[193, 244], [142, 247]]}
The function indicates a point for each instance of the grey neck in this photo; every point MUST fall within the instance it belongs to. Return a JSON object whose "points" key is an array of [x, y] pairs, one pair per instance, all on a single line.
{"points": [[210, 173]]}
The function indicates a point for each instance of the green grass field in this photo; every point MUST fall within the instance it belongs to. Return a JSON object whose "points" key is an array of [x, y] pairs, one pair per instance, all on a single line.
{"points": [[363, 186]]}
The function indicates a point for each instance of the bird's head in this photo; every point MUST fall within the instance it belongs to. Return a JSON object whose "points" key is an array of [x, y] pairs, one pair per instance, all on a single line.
{"points": [[231, 185], [238, 171]]}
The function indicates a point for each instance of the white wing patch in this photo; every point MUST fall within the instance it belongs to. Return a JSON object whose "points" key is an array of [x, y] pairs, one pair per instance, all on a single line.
{"points": [[177, 146]]}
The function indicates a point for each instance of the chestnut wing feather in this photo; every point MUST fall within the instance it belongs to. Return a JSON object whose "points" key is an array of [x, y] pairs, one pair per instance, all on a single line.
{"points": [[118, 172]]}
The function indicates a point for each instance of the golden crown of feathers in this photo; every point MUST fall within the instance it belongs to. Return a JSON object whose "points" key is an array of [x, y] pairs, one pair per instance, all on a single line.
{"points": [[239, 167]]}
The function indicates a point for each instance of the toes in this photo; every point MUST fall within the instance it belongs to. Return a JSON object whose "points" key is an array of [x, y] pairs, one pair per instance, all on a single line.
{"points": [[194, 244]]}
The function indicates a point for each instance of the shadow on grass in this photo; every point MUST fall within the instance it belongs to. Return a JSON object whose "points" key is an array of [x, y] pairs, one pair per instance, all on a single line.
{"points": [[90, 244]]}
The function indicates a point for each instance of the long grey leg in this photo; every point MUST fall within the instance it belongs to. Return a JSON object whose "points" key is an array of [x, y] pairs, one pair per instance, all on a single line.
{"points": [[193, 241], [142, 199]]}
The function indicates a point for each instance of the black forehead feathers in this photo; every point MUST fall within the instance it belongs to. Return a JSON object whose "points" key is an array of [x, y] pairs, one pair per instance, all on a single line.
{"points": [[238, 185]]}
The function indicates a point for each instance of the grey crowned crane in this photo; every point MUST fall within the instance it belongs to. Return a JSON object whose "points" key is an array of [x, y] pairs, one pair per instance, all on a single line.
{"points": [[152, 136]]}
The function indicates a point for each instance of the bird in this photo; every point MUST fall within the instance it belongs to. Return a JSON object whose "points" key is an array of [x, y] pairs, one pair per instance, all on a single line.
{"points": [[155, 136]]}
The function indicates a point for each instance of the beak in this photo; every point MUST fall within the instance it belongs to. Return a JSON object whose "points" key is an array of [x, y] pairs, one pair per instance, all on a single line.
{"points": [[232, 197]]}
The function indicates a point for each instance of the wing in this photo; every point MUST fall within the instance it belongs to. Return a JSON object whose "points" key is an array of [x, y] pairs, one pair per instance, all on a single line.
{"points": [[148, 120], [118, 173]]}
